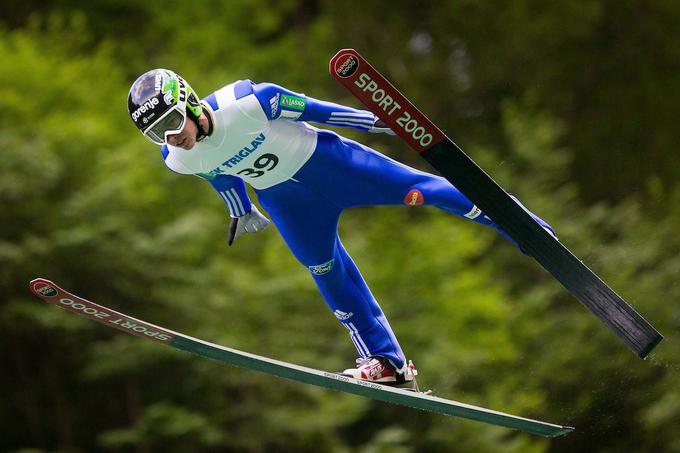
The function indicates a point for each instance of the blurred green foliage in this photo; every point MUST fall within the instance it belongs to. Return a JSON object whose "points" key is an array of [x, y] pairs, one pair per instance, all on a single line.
{"points": [[572, 106]]}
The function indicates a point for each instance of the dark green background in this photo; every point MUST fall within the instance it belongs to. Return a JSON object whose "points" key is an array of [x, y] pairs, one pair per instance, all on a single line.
{"points": [[572, 106]]}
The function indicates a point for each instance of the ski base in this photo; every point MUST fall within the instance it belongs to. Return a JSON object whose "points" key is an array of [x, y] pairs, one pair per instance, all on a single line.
{"points": [[50, 292]]}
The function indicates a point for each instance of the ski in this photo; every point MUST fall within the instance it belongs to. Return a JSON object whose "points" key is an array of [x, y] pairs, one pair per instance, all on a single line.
{"points": [[50, 292], [353, 72]]}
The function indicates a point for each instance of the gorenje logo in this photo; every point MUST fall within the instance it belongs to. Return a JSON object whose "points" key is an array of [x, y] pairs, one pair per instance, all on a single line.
{"points": [[346, 66], [148, 105], [45, 289]]}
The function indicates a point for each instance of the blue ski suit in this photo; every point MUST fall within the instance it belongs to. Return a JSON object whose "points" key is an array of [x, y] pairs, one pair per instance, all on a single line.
{"points": [[304, 178]]}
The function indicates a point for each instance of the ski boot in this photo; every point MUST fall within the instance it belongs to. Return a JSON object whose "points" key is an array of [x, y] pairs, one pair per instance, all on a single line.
{"points": [[382, 371]]}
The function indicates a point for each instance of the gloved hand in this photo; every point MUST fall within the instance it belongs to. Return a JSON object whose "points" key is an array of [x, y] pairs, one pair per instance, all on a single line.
{"points": [[379, 126], [249, 223]]}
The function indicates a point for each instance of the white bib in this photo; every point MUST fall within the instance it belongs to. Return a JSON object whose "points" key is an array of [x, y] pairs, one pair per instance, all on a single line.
{"points": [[246, 144]]}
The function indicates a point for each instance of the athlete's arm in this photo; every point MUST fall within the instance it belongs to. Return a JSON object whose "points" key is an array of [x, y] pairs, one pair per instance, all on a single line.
{"points": [[232, 190], [278, 102], [245, 218]]}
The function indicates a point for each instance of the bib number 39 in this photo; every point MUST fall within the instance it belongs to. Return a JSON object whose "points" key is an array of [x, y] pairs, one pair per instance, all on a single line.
{"points": [[262, 164]]}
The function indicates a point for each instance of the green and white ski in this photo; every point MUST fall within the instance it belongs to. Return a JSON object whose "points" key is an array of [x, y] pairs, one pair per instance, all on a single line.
{"points": [[50, 292]]}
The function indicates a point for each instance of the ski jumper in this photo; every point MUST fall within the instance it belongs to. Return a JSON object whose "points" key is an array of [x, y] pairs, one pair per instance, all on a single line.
{"points": [[304, 178]]}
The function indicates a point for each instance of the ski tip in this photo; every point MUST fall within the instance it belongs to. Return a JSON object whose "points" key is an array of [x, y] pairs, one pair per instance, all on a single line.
{"points": [[343, 51], [42, 287], [563, 431], [344, 61]]}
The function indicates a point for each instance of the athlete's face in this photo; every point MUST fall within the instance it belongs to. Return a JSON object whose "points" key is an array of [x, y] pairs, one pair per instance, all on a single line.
{"points": [[186, 138]]}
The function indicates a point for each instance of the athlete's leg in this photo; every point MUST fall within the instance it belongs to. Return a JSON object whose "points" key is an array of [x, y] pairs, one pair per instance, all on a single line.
{"points": [[357, 175], [308, 223], [370, 178], [372, 329]]}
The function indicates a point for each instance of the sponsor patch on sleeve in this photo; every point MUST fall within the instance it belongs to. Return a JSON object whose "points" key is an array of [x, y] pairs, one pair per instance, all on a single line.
{"points": [[474, 212], [414, 198], [321, 269], [291, 107], [293, 102], [274, 104]]}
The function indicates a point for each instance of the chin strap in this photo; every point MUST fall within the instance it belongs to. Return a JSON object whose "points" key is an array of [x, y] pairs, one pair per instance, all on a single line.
{"points": [[202, 133]]}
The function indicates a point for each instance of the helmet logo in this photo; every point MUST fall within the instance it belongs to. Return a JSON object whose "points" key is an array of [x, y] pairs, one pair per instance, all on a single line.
{"points": [[170, 90], [182, 90], [168, 97], [148, 105]]}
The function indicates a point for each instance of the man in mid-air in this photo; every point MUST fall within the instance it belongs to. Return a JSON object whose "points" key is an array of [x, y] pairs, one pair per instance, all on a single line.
{"points": [[304, 178]]}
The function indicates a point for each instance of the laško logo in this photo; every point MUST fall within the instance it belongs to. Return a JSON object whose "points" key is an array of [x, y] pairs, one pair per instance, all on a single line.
{"points": [[345, 67], [293, 102]]}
